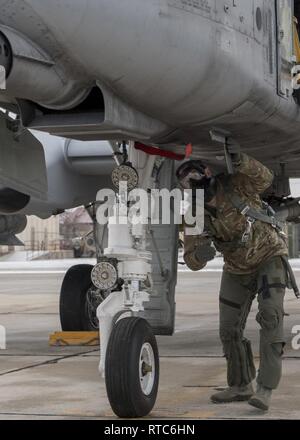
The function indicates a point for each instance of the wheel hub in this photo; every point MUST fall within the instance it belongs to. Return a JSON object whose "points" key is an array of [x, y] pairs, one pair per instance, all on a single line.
{"points": [[147, 369], [105, 275], [125, 173]]}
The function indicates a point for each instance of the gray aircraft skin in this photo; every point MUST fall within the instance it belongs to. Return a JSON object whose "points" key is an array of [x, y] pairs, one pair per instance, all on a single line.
{"points": [[167, 72]]}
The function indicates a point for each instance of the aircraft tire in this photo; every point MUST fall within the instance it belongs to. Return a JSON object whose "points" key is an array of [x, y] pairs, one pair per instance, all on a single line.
{"points": [[131, 354], [74, 314]]}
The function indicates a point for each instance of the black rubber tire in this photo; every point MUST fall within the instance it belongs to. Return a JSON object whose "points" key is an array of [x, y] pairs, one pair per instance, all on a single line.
{"points": [[73, 294], [122, 368]]}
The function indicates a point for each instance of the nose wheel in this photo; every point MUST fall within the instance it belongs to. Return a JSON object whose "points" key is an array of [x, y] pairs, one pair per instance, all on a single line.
{"points": [[132, 368]]}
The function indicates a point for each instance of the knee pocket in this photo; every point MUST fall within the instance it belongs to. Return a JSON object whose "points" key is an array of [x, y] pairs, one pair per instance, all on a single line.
{"points": [[269, 319]]}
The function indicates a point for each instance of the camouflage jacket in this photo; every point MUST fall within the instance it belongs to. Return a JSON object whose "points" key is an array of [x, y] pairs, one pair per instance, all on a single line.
{"points": [[226, 225]]}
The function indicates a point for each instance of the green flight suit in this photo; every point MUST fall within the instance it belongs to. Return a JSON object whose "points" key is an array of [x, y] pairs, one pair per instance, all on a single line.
{"points": [[236, 297], [252, 269]]}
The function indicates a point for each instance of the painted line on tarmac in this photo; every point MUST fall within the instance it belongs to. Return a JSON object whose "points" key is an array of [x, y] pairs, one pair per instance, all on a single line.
{"points": [[53, 361]]}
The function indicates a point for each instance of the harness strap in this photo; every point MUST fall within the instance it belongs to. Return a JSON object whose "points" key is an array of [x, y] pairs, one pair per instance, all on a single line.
{"points": [[229, 303], [277, 286], [265, 288], [255, 214], [264, 216]]}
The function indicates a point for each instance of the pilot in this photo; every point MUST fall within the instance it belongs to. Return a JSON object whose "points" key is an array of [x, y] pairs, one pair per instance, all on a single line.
{"points": [[242, 227]]}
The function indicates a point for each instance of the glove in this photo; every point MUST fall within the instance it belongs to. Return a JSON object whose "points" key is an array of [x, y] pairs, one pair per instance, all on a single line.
{"points": [[205, 253], [234, 149]]}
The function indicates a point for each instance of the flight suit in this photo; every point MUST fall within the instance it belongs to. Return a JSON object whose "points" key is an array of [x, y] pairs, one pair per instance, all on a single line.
{"points": [[253, 268]]}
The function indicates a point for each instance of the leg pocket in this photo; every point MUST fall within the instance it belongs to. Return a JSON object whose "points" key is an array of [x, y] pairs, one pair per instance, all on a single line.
{"points": [[269, 319]]}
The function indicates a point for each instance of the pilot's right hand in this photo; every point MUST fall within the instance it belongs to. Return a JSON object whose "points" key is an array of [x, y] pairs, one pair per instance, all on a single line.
{"points": [[205, 253]]}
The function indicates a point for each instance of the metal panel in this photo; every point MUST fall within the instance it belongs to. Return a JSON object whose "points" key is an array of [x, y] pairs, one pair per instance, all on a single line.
{"points": [[237, 15], [258, 13], [269, 41], [160, 311], [206, 8], [22, 162], [284, 10]]}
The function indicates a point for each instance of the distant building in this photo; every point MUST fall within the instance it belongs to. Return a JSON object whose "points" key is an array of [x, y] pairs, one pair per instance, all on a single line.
{"points": [[76, 230], [41, 234]]}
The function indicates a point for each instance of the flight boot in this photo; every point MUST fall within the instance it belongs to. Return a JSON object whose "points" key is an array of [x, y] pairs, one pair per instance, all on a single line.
{"points": [[262, 398], [233, 394]]}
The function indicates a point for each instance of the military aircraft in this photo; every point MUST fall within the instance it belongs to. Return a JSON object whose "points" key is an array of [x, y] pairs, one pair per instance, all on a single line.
{"points": [[93, 82]]}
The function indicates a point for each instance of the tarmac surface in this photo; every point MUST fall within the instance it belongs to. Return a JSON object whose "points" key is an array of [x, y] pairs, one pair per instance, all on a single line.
{"points": [[40, 382]]}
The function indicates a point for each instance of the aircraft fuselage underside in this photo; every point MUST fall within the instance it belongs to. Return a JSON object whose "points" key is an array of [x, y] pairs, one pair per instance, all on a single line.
{"points": [[167, 72]]}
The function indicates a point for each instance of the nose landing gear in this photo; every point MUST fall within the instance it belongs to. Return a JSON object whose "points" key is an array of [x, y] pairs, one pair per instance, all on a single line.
{"points": [[134, 283], [129, 354]]}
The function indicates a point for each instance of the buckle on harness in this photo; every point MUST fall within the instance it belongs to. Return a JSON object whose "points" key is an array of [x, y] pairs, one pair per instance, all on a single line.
{"points": [[274, 223], [250, 223], [278, 227], [245, 210]]}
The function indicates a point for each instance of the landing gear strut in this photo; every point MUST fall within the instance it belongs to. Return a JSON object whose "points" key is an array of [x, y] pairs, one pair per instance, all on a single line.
{"points": [[132, 286], [129, 354]]}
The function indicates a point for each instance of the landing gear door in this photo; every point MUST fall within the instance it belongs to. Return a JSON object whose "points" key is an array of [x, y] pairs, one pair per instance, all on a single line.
{"points": [[284, 13], [160, 311]]}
